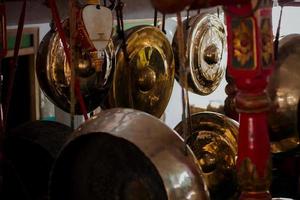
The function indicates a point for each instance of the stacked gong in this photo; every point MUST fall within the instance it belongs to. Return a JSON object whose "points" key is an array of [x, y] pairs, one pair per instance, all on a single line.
{"points": [[123, 153], [30, 151]]}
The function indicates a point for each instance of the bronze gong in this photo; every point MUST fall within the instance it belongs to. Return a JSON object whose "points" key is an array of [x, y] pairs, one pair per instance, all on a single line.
{"points": [[144, 74], [206, 52], [213, 139], [129, 155], [284, 90], [54, 73]]}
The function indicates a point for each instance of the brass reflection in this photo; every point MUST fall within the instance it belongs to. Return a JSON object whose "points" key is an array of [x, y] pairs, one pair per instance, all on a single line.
{"points": [[284, 90], [54, 74], [144, 73], [214, 142], [206, 51], [113, 168]]}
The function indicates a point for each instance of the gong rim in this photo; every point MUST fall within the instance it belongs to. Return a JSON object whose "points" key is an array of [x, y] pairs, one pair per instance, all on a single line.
{"points": [[162, 146]]}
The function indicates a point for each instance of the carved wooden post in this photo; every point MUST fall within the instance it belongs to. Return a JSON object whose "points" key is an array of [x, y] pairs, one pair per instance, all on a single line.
{"points": [[250, 63]]}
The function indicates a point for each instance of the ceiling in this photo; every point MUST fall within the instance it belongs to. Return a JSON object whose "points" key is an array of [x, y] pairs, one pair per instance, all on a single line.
{"points": [[38, 12]]}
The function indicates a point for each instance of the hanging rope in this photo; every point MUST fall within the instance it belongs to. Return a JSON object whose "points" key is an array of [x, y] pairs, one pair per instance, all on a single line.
{"points": [[121, 34], [57, 21], [73, 60], [186, 115], [187, 22], [13, 64], [120, 20], [276, 42], [155, 18], [163, 29]]}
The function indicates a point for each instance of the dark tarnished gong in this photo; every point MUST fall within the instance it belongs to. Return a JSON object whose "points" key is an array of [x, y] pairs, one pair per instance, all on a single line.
{"points": [[284, 90]]}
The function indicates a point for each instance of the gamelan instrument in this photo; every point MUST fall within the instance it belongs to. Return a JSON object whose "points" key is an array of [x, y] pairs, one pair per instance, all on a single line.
{"points": [[213, 139], [144, 73], [206, 51], [126, 154], [93, 72], [284, 90], [31, 150]]}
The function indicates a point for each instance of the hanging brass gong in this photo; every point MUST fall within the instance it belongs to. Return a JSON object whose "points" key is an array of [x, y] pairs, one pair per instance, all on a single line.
{"points": [[284, 90], [213, 139], [144, 73], [206, 52], [54, 73]]}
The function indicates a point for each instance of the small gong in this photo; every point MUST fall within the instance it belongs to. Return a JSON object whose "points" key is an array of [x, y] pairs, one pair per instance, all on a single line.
{"points": [[206, 52]]}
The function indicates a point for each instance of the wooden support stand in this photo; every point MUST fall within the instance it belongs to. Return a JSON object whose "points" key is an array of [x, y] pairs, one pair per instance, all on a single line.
{"points": [[250, 63]]}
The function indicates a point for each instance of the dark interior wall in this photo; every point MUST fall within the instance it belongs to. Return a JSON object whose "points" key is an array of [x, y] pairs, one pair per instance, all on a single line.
{"points": [[37, 12]]}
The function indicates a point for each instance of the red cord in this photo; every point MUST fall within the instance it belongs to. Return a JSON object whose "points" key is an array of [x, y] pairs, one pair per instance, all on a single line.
{"points": [[61, 33], [13, 63]]}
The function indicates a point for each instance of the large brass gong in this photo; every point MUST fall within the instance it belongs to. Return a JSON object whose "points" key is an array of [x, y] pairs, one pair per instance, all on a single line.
{"points": [[54, 73], [144, 73], [206, 52], [284, 90], [124, 154], [213, 140]]}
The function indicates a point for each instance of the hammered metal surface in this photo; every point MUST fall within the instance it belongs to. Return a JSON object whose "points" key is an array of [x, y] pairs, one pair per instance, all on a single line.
{"points": [[144, 74], [214, 142], [206, 52], [54, 73], [284, 90], [174, 162]]}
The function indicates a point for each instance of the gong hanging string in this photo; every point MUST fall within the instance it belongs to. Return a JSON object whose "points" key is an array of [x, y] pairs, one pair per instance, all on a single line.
{"points": [[276, 42], [61, 33], [186, 115], [73, 60], [163, 25], [187, 22], [13, 64], [155, 18], [121, 34]]}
